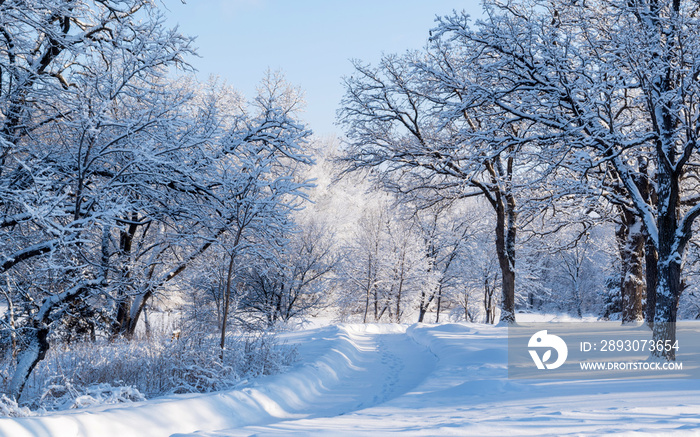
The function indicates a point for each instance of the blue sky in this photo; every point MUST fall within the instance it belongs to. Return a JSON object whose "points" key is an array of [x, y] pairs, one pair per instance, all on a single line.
{"points": [[310, 41]]}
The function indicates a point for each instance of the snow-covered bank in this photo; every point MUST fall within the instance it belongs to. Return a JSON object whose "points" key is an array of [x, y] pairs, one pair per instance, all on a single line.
{"points": [[346, 368], [380, 379]]}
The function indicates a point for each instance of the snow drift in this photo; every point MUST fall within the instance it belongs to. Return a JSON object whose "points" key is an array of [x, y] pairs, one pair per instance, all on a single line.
{"points": [[380, 379]]}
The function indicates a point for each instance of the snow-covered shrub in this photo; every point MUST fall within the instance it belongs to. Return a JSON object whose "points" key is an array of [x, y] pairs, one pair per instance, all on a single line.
{"points": [[99, 394], [10, 408], [199, 367], [62, 394], [84, 374], [263, 355]]}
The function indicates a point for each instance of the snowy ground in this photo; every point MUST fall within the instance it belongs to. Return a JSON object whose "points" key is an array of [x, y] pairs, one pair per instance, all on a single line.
{"points": [[384, 379]]}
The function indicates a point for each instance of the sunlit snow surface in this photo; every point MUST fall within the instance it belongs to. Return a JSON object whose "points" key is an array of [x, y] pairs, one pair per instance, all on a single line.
{"points": [[385, 379]]}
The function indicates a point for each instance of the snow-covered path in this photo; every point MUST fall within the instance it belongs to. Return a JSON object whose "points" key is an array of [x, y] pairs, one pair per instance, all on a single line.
{"points": [[384, 379]]}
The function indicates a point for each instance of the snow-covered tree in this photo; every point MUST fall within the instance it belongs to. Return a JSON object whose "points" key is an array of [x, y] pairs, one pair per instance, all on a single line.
{"points": [[615, 80], [295, 283], [413, 121], [385, 270], [116, 178], [446, 233], [69, 70]]}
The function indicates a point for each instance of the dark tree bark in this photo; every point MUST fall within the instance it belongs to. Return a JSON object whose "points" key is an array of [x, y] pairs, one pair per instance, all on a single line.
{"points": [[632, 288], [505, 249], [126, 239], [36, 337], [668, 289], [651, 260], [438, 305], [36, 348], [227, 300], [651, 257]]}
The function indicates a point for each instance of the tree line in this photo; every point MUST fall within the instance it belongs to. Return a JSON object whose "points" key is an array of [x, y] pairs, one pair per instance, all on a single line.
{"points": [[118, 173], [540, 104]]}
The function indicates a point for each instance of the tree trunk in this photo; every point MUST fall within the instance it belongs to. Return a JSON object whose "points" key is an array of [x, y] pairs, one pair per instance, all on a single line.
{"points": [[136, 308], [667, 292], [367, 299], [467, 316], [227, 299], [651, 260], [402, 276], [505, 249], [123, 319], [368, 294], [278, 305], [29, 357], [670, 252], [36, 337], [124, 303], [651, 257], [376, 304], [138, 305], [422, 306], [632, 256], [488, 302]]}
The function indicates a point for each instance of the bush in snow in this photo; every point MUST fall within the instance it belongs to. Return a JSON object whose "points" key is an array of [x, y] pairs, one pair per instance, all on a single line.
{"points": [[93, 373], [63, 394], [10, 408]]}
